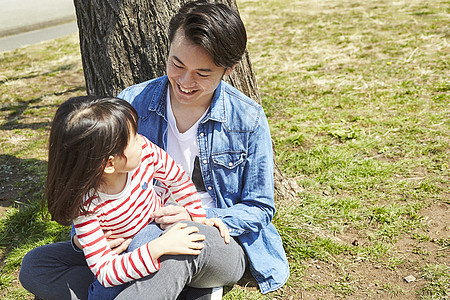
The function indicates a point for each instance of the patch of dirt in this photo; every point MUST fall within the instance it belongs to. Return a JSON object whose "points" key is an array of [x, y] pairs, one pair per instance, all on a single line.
{"points": [[437, 220], [355, 278], [353, 237]]}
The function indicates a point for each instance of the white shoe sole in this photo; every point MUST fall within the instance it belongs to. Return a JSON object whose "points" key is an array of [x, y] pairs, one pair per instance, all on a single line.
{"points": [[217, 293]]}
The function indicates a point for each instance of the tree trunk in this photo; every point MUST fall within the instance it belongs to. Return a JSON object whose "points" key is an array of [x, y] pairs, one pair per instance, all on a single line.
{"points": [[124, 42]]}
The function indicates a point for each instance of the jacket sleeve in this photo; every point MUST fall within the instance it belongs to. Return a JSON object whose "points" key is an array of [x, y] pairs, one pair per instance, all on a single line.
{"points": [[254, 208]]}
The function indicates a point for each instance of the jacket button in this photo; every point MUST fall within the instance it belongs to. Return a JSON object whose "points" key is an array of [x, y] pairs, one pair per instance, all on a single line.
{"points": [[209, 187], [205, 161], [202, 134], [230, 164]]}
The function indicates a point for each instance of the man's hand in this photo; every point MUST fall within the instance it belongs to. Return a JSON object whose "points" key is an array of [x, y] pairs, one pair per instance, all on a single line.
{"points": [[168, 215], [224, 231], [118, 245]]}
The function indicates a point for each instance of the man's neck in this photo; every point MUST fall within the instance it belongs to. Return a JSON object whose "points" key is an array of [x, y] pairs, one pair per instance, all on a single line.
{"points": [[186, 116]]}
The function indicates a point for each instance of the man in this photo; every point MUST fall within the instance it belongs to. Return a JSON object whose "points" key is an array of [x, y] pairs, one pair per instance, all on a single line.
{"points": [[219, 135]]}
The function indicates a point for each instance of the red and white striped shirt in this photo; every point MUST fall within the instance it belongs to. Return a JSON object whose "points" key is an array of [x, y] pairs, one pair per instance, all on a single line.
{"points": [[128, 212]]}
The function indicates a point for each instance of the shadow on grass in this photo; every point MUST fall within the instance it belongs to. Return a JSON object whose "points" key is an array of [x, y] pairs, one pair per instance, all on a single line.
{"points": [[23, 224], [51, 72], [17, 110], [21, 180]]}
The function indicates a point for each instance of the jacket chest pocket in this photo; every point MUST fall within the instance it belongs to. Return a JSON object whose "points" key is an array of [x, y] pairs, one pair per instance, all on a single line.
{"points": [[228, 170]]}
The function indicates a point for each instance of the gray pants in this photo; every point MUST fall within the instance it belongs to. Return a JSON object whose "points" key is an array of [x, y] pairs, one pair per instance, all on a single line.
{"points": [[57, 271]]}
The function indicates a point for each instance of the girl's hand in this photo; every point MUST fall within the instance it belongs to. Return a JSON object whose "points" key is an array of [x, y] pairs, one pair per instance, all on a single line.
{"points": [[224, 231], [180, 239]]}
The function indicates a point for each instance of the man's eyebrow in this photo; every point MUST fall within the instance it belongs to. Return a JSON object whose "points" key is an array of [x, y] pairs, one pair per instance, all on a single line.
{"points": [[201, 70], [178, 60]]}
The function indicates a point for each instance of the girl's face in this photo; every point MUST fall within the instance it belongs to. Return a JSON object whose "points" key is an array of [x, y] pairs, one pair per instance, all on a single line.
{"points": [[131, 155]]}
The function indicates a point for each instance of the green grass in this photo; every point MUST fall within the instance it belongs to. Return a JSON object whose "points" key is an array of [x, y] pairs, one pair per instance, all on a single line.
{"points": [[438, 278], [357, 94]]}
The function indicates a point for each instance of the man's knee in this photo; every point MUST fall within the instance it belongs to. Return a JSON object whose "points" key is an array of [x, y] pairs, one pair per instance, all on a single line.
{"points": [[207, 230], [26, 273]]}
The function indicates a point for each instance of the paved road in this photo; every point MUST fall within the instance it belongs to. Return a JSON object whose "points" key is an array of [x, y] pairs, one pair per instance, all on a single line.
{"points": [[25, 22]]}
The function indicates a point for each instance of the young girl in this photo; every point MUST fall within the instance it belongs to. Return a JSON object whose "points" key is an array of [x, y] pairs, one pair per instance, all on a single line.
{"points": [[100, 177]]}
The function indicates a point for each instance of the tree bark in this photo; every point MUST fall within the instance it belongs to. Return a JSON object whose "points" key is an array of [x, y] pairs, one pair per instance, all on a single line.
{"points": [[124, 42]]}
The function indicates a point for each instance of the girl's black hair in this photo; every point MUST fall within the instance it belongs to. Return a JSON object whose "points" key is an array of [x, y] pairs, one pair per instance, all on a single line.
{"points": [[85, 132], [216, 27]]}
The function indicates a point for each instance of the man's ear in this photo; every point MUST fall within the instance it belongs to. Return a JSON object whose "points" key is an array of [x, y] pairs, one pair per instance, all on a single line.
{"points": [[229, 70], [109, 169]]}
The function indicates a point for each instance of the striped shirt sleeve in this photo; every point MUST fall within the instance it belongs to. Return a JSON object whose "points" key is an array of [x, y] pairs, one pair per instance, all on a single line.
{"points": [[110, 268], [172, 175]]}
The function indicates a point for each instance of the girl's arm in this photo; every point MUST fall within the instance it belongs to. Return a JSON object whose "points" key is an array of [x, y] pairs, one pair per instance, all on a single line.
{"points": [[112, 269], [171, 175], [183, 190], [118, 245]]}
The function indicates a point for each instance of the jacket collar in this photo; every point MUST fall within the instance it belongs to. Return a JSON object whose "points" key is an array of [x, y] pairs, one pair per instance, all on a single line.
{"points": [[217, 109], [158, 101]]}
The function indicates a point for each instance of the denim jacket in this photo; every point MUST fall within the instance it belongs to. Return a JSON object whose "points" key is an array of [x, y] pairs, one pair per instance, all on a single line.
{"points": [[236, 161]]}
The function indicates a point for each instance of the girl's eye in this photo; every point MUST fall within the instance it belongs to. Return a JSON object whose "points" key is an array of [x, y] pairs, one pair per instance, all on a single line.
{"points": [[202, 75]]}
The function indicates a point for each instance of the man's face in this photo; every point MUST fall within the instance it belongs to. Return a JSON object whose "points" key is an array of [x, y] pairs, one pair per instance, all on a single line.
{"points": [[192, 73]]}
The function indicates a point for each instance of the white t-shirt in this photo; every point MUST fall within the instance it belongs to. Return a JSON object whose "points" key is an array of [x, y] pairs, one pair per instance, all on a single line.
{"points": [[183, 148]]}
